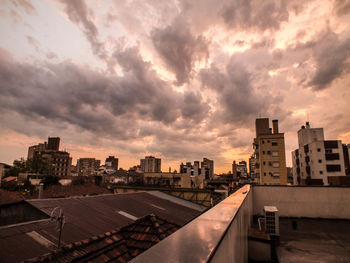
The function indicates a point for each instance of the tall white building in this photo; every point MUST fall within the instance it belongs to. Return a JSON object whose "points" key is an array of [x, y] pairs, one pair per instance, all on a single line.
{"points": [[316, 158], [151, 164]]}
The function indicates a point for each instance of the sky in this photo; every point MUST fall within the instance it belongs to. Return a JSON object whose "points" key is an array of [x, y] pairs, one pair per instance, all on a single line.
{"points": [[180, 80]]}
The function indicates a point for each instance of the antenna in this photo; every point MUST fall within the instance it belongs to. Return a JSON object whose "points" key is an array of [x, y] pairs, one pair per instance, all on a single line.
{"points": [[57, 215]]}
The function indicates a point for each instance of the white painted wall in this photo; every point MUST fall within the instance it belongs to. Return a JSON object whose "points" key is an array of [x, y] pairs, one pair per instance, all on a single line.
{"points": [[303, 201]]}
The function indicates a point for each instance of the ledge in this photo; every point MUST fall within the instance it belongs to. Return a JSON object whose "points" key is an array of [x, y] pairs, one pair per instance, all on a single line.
{"points": [[198, 240]]}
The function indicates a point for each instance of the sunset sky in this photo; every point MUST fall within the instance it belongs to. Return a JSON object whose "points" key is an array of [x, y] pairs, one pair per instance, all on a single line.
{"points": [[180, 80]]}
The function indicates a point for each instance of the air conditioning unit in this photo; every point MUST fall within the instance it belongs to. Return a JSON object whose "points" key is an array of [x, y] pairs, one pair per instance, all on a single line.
{"points": [[271, 220]]}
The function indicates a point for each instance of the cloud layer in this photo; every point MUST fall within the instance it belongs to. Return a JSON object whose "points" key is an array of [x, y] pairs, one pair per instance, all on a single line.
{"points": [[178, 80]]}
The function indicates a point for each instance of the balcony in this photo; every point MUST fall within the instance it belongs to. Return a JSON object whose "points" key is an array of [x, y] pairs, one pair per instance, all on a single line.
{"points": [[330, 144], [308, 170], [332, 156], [221, 233]]}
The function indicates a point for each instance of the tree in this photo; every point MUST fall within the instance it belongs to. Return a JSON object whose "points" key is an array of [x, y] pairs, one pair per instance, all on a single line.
{"points": [[19, 166], [35, 165], [38, 165]]}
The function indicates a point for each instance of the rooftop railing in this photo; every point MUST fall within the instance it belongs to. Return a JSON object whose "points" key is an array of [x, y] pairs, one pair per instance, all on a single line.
{"points": [[218, 235]]}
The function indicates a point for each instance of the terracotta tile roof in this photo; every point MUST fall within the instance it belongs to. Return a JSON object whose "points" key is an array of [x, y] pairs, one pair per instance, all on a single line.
{"points": [[117, 245], [10, 178]]}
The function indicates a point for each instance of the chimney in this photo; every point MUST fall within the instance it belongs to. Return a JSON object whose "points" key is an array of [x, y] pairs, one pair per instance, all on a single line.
{"points": [[41, 186], [275, 126]]}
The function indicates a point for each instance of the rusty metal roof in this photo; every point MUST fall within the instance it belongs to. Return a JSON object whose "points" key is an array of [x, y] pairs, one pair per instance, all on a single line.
{"points": [[86, 217], [115, 245]]}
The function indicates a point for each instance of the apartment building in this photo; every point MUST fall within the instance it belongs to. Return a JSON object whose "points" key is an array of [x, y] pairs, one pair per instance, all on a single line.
{"points": [[207, 167], [269, 154], [195, 172], [251, 166], [317, 158], [239, 169], [112, 161], [87, 166], [59, 162], [151, 164]]}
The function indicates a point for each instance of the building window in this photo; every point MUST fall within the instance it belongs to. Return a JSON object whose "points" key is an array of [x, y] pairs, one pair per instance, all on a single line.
{"points": [[320, 161], [276, 175], [318, 149], [321, 172], [275, 153], [274, 143], [269, 152], [333, 168], [264, 174], [263, 152], [276, 164], [268, 141], [264, 163], [263, 141]]}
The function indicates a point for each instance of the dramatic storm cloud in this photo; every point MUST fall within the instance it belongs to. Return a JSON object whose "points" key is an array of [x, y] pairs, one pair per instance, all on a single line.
{"points": [[176, 79]]}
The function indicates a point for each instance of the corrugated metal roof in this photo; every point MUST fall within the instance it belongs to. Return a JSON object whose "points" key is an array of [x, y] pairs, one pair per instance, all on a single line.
{"points": [[86, 217], [116, 245]]}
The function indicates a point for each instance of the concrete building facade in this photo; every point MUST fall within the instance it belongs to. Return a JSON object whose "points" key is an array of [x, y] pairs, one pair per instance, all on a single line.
{"points": [[251, 166], [112, 161], [316, 158], [269, 154], [59, 162], [207, 167], [151, 164], [177, 180], [240, 169], [87, 166], [196, 174]]}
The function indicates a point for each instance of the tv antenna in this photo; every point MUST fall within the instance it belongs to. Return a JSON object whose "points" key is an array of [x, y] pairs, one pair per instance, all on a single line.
{"points": [[57, 215]]}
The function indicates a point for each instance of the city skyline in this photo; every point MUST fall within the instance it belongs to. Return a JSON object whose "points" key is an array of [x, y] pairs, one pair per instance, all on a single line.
{"points": [[170, 79]]}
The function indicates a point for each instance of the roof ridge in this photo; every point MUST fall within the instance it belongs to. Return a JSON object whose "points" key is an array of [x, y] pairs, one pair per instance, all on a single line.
{"points": [[160, 233], [166, 220]]}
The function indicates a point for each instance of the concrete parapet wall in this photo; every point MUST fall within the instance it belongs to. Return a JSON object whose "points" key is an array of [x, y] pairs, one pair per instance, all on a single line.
{"points": [[304, 201], [198, 196], [234, 245]]}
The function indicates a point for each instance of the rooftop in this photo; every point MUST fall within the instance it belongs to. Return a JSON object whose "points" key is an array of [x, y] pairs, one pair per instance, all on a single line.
{"points": [[116, 245], [86, 217], [314, 240]]}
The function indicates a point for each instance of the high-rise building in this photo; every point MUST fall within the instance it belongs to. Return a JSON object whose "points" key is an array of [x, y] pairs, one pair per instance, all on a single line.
{"points": [[53, 143], [234, 170], [269, 154], [36, 148], [87, 166], [207, 167], [317, 158], [112, 161], [239, 169], [151, 164], [251, 166], [59, 162]]}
